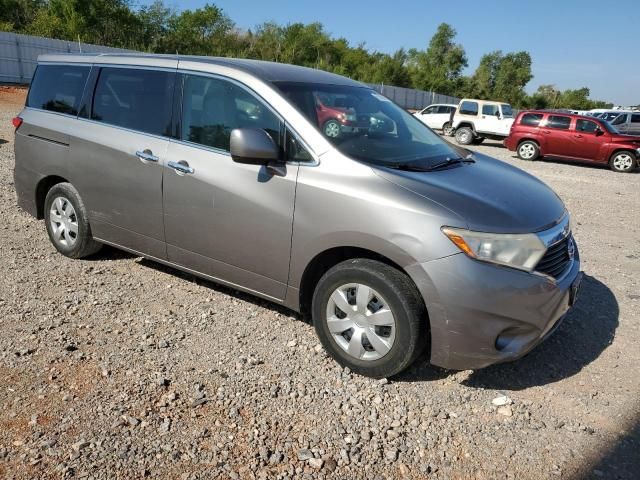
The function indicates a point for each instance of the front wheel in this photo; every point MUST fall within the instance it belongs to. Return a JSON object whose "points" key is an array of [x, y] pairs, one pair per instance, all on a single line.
{"points": [[528, 150], [464, 136], [623, 162], [369, 317], [332, 129]]}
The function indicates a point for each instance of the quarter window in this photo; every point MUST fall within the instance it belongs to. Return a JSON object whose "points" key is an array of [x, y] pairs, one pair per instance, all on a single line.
{"points": [[559, 122], [531, 119], [136, 99], [469, 108], [635, 118], [586, 126], [58, 88], [212, 107]]}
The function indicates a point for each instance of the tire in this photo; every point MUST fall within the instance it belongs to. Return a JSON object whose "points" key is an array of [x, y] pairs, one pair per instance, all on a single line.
{"points": [[447, 130], [528, 150], [67, 224], [623, 162], [331, 129], [478, 140], [401, 334], [464, 136]]}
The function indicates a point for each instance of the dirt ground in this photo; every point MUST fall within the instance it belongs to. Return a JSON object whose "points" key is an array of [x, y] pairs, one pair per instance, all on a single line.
{"points": [[116, 367]]}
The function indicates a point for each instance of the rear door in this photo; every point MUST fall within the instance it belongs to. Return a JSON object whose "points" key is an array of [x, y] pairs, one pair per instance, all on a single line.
{"points": [[118, 154], [557, 136], [227, 220]]}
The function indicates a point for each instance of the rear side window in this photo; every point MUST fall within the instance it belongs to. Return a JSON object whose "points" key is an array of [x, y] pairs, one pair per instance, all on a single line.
{"points": [[135, 99], [444, 109], [531, 119], [469, 108], [635, 118], [58, 88], [212, 107], [559, 122]]}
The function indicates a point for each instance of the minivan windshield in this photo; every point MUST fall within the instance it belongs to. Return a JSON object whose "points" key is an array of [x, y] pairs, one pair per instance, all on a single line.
{"points": [[369, 127]]}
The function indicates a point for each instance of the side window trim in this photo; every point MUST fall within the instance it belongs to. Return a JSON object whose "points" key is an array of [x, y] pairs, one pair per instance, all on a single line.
{"points": [[180, 78], [86, 102]]}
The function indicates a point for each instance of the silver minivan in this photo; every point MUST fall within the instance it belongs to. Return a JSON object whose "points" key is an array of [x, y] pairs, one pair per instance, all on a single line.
{"points": [[389, 238]]}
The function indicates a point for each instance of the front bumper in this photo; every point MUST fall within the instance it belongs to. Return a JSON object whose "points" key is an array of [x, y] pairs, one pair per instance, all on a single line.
{"points": [[481, 314]]}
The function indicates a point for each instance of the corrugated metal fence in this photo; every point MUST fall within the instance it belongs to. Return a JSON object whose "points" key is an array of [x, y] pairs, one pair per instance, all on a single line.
{"points": [[19, 54], [411, 98]]}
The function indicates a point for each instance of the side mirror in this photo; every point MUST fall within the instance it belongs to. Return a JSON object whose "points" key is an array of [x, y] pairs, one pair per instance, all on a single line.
{"points": [[598, 131], [253, 146], [497, 114]]}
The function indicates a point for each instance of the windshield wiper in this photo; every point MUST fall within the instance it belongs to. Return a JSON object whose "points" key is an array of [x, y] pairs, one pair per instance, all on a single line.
{"points": [[452, 161], [407, 167]]}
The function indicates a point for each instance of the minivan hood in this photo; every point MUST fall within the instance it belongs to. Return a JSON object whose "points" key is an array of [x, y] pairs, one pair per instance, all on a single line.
{"points": [[490, 195]]}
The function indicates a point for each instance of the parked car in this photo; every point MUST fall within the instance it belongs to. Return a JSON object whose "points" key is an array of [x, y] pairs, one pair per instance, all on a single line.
{"points": [[437, 116], [400, 241], [337, 116], [575, 137], [627, 122], [475, 120]]}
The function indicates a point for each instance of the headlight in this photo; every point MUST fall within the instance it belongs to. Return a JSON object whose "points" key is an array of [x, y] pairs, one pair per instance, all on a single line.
{"points": [[522, 251]]}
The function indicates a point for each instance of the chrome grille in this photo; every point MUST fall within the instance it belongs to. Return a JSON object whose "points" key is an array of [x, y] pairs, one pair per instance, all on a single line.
{"points": [[557, 259]]}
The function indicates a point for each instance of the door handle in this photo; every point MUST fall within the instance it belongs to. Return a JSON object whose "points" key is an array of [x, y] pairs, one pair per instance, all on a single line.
{"points": [[546, 131], [181, 167], [577, 135], [146, 156]]}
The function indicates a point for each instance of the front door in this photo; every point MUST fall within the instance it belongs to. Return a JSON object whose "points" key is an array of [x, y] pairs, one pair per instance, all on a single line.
{"points": [[119, 152], [227, 220], [588, 140]]}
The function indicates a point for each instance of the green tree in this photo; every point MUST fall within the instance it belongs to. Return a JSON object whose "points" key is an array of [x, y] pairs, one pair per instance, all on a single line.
{"points": [[501, 77], [204, 31], [439, 67]]}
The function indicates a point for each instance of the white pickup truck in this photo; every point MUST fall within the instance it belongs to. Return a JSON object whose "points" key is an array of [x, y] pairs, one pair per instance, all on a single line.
{"points": [[474, 120]]}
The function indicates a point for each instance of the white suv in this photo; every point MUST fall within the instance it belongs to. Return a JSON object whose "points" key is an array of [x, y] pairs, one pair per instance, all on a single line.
{"points": [[475, 120], [437, 116]]}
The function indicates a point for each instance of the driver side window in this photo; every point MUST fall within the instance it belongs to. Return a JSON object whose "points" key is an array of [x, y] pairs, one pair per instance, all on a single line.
{"points": [[213, 107]]}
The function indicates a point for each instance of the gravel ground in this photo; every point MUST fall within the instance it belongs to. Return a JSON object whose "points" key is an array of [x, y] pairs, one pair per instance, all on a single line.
{"points": [[115, 367]]}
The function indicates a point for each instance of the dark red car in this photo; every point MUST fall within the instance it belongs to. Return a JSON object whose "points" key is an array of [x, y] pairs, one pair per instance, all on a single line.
{"points": [[336, 116], [574, 137]]}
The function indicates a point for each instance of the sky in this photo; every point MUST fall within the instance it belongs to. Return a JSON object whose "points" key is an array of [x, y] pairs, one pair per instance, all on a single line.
{"points": [[572, 43]]}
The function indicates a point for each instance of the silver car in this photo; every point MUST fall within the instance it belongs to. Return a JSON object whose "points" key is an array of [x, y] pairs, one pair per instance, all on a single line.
{"points": [[389, 238]]}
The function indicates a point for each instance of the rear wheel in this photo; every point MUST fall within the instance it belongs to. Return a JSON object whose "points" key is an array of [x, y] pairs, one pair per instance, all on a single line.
{"points": [[623, 162], [369, 317], [464, 136], [528, 150], [447, 129], [67, 222]]}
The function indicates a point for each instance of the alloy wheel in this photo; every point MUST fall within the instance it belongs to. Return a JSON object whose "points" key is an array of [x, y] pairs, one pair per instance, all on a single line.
{"points": [[332, 129], [623, 161], [527, 151]]}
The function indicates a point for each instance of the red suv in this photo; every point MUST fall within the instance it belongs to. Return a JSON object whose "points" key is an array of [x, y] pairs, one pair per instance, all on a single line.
{"points": [[574, 137]]}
